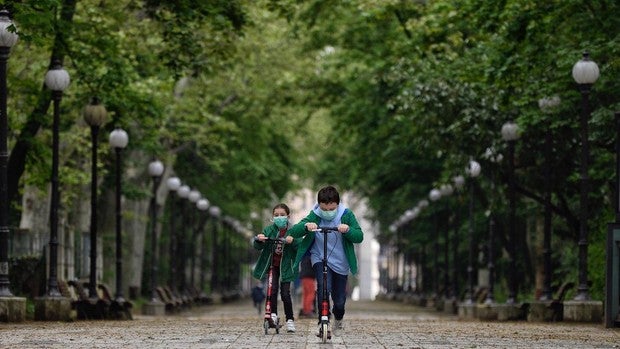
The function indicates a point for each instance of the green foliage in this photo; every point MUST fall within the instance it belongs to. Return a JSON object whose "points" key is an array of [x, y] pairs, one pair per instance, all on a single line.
{"points": [[248, 100], [414, 89]]}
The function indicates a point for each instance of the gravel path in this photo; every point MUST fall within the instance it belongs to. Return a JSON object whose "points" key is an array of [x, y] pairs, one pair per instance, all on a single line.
{"points": [[368, 325]]}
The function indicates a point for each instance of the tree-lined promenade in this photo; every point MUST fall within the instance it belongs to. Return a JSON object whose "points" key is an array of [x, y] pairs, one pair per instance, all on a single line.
{"points": [[245, 102]]}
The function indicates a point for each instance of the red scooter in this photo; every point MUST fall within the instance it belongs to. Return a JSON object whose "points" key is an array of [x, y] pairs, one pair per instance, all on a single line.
{"points": [[324, 330], [268, 322]]}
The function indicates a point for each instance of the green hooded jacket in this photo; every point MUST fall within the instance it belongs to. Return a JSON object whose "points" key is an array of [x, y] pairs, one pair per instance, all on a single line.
{"points": [[353, 236], [288, 272]]}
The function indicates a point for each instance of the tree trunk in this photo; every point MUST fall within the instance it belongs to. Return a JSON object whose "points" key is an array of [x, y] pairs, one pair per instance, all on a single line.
{"points": [[19, 153]]}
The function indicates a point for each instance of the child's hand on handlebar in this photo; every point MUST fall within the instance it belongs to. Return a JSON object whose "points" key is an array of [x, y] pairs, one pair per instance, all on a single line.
{"points": [[261, 237], [310, 226], [288, 239], [343, 228]]}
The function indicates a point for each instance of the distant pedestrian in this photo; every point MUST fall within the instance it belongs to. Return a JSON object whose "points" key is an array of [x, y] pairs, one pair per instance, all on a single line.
{"points": [[308, 287], [258, 296]]}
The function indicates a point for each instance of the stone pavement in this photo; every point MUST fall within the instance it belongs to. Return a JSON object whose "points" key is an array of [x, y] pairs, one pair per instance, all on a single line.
{"points": [[377, 324]]}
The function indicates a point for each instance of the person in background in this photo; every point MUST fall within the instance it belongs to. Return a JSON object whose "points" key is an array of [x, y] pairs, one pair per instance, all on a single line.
{"points": [[308, 287], [258, 296]]}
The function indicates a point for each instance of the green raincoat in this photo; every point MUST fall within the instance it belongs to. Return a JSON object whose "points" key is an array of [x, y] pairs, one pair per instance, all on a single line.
{"points": [[353, 236], [288, 270]]}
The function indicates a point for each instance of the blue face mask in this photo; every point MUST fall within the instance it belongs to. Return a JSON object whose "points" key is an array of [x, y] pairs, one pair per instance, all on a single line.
{"points": [[328, 215], [280, 221]]}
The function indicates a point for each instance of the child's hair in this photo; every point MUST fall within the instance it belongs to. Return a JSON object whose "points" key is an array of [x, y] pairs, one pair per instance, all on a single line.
{"points": [[328, 194], [282, 206]]}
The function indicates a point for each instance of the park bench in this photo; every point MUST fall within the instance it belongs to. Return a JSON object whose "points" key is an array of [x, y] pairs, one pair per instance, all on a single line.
{"points": [[557, 304], [162, 295], [68, 291], [178, 301], [85, 306], [118, 310], [200, 296]]}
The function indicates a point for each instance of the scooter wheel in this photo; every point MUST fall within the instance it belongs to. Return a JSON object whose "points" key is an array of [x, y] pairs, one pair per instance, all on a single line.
{"points": [[266, 326], [324, 332]]}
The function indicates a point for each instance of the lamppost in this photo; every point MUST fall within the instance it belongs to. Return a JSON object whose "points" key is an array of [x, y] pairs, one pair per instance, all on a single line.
{"points": [[459, 182], [203, 206], [156, 169], [474, 171], [118, 141], [193, 197], [173, 184], [585, 73], [7, 40], [446, 190], [183, 193], [94, 115], [56, 79], [546, 105], [494, 157], [434, 195], [215, 213], [612, 277], [510, 134]]}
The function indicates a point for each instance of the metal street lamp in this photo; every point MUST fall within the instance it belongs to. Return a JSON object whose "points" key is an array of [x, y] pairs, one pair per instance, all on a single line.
{"points": [[459, 182], [193, 197], [118, 141], [95, 115], [156, 169], [183, 193], [203, 206], [56, 79], [510, 134], [547, 105], [585, 73], [434, 195], [494, 157], [7, 40], [446, 190], [173, 184], [215, 212], [473, 171]]}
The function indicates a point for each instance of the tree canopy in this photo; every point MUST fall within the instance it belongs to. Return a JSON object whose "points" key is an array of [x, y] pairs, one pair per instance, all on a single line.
{"points": [[248, 100]]}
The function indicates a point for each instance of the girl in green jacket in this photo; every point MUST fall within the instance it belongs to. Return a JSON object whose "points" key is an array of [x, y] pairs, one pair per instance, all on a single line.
{"points": [[283, 260]]}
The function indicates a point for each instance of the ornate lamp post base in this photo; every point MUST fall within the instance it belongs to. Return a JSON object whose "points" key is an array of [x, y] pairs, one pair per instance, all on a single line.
{"points": [[12, 309], [500, 312], [50, 308], [583, 311], [155, 308]]}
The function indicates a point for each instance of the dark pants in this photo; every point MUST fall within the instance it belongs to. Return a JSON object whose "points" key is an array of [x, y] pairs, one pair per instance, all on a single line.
{"points": [[285, 293], [336, 287]]}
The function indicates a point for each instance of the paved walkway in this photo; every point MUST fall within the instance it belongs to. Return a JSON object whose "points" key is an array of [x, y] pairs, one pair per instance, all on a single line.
{"points": [[368, 325]]}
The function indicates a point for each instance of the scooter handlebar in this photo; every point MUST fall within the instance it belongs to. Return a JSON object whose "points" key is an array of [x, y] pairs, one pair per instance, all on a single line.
{"points": [[268, 239], [326, 229]]}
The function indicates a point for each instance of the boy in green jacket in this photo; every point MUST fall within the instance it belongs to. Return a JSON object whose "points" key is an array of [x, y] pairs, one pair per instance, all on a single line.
{"points": [[328, 212], [283, 259]]}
